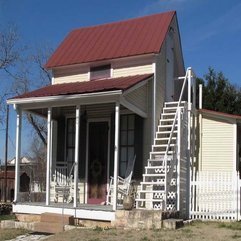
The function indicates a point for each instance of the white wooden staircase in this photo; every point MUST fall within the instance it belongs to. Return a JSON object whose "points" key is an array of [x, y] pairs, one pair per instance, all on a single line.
{"points": [[158, 188], [165, 179]]}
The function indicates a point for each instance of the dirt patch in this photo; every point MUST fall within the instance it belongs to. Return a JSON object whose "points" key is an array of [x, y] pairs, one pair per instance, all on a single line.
{"points": [[196, 231]]}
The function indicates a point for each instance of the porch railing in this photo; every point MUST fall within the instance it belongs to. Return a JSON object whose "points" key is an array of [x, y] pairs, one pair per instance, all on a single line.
{"points": [[61, 173]]}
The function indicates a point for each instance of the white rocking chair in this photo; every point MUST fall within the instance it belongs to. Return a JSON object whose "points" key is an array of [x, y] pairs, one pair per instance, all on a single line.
{"points": [[63, 187], [123, 184]]}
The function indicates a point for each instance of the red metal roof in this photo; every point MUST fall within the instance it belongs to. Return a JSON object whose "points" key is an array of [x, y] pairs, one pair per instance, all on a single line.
{"points": [[111, 84], [131, 37], [221, 114]]}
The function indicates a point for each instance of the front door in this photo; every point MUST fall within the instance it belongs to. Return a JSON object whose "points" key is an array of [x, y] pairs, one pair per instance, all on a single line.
{"points": [[98, 161]]}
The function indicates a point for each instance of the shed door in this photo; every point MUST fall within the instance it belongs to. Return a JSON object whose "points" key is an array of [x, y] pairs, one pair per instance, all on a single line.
{"points": [[97, 163]]}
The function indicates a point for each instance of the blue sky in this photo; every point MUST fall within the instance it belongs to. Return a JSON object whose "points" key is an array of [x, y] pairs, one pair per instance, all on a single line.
{"points": [[210, 29]]}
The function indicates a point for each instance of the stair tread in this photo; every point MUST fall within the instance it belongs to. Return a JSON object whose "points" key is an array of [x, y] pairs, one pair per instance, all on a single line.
{"points": [[153, 183], [165, 138], [162, 145], [150, 200], [153, 175], [160, 152], [165, 132], [151, 191]]}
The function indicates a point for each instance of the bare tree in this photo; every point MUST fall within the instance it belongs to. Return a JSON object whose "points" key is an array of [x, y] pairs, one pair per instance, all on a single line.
{"points": [[38, 154], [9, 56], [25, 71], [9, 52]]}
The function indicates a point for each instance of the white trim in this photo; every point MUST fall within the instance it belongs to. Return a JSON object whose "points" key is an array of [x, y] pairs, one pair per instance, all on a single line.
{"points": [[86, 163], [111, 71], [88, 74], [76, 156], [95, 120], [200, 96], [52, 80], [61, 98], [178, 157], [116, 153], [132, 107], [18, 152], [77, 213], [154, 102], [235, 163], [48, 157]]}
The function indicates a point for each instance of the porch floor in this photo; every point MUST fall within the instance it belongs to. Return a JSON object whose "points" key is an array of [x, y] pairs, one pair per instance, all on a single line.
{"points": [[82, 211]]}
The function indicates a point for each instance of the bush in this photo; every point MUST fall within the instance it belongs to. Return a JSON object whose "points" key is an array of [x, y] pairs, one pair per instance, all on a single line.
{"points": [[5, 208]]}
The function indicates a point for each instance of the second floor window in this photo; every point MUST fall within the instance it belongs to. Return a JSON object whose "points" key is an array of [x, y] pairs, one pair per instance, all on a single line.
{"points": [[100, 72]]}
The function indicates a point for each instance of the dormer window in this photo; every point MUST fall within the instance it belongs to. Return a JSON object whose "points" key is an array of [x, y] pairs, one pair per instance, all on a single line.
{"points": [[100, 72]]}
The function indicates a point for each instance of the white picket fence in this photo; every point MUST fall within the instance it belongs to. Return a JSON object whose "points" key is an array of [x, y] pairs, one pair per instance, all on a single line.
{"points": [[215, 196]]}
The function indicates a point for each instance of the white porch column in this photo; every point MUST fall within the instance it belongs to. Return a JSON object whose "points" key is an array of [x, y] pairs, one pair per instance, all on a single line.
{"points": [[49, 156], [76, 157], [18, 153], [116, 154]]}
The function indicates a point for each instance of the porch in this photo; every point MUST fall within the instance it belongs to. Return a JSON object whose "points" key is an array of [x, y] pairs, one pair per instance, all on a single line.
{"points": [[82, 211], [90, 137]]}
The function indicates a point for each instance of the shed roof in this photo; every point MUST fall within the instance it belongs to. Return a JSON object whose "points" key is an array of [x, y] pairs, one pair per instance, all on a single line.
{"points": [[132, 37], [220, 114], [110, 84]]}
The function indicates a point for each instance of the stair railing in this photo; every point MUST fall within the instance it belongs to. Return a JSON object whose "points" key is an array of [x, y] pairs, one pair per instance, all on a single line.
{"points": [[186, 77]]}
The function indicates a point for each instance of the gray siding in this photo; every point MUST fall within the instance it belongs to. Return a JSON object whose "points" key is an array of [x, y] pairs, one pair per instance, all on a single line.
{"points": [[160, 82], [138, 97]]}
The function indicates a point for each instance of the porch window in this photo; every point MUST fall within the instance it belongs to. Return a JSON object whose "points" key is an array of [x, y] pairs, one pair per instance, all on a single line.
{"points": [[100, 72], [70, 142], [127, 126]]}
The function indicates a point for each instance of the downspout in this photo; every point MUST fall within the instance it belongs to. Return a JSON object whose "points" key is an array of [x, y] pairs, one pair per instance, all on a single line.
{"points": [[18, 153], [154, 101]]}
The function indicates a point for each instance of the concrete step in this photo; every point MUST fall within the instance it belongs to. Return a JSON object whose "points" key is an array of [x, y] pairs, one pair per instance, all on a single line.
{"points": [[57, 218], [53, 222], [172, 223]]}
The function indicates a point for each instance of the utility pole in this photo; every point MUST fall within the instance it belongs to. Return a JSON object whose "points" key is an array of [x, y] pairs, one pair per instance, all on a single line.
{"points": [[6, 157]]}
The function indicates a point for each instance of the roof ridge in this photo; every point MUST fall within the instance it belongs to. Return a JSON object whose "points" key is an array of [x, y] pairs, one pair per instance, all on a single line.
{"points": [[123, 21]]}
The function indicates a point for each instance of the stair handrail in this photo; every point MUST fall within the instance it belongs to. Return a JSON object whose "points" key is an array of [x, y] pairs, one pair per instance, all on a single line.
{"points": [[175, 118], [173, 126]]}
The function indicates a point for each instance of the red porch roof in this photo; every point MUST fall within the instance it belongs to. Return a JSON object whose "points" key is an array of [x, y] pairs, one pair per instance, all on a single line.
{"points": [[131, 37], [111, 84]]}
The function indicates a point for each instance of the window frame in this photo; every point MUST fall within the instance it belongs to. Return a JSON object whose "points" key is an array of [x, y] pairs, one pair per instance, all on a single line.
{"points": [[100, 72], [128, 146]]}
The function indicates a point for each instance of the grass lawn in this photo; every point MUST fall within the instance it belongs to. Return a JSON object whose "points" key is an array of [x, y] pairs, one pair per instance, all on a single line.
{"points": [[208, 231], [197, 231], [7, 217], [6, 234]]}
